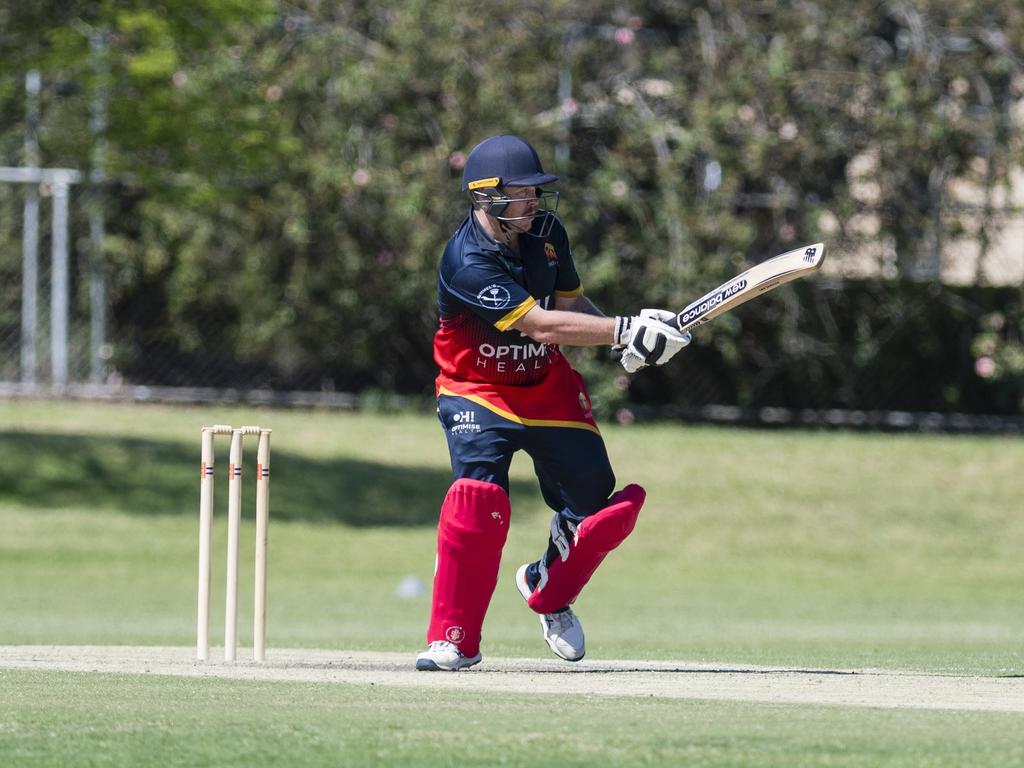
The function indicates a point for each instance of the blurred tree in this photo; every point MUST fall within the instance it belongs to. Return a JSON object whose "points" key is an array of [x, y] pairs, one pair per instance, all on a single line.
{"points": [[285, 175]]}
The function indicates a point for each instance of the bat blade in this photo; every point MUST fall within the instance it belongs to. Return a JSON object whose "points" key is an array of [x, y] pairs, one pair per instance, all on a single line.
{"points": [[752, 283]]}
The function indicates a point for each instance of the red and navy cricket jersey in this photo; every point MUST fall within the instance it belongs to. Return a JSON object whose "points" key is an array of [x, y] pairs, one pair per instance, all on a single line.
{"points": [[483, 289]]}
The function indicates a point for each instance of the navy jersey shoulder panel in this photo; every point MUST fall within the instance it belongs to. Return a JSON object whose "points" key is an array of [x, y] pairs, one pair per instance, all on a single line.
{"points": [[473, 276]]}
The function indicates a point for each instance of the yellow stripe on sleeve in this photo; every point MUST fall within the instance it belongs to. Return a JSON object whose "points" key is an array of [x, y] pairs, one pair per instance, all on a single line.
{"points": [[516, 314], [578, 291]]}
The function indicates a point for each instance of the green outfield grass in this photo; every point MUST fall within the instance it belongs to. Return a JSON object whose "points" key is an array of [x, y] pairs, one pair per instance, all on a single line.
{"points": [[802, 549], [94, 720]]}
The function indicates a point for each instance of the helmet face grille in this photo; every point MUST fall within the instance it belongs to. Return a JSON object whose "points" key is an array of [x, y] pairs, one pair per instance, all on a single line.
{"points": [[494, 202]]}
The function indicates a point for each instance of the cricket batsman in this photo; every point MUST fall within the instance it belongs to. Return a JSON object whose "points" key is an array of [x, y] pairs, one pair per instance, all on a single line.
{"points": [[508, 297]]}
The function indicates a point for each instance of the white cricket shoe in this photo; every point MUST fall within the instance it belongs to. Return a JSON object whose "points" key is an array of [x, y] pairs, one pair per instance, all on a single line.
{"points": [[442, 655], [562, 629]]}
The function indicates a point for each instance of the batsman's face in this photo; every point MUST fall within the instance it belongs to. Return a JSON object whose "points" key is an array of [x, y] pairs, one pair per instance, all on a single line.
{"points": [[525, 207]]}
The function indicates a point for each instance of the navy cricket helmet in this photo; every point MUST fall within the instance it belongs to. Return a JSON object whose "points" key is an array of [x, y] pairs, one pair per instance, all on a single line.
{"points": [[509, 161]]}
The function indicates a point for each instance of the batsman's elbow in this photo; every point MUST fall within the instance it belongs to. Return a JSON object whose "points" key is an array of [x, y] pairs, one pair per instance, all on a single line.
{"points": [[539, 325]]}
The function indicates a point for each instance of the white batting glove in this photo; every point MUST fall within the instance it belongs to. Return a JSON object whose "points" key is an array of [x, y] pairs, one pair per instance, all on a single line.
{"points": [[662, 315], [647, 340]]}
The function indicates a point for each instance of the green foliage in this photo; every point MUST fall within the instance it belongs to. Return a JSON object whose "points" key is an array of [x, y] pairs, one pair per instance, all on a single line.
{"points": [[284, 176], [860, 345], [998, 351]]}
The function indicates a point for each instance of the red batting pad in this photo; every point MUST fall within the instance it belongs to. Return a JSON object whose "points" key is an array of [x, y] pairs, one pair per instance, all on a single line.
{"points": [[596, 536], [470, 536]]}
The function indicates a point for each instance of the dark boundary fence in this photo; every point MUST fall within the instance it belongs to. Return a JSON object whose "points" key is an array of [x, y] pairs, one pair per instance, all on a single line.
{"points": [[726, 415], [836, 418]]}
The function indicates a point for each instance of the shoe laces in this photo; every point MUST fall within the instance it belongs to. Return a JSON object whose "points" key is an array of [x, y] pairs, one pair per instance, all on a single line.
{"points": [[560, 621], [443, 645]]}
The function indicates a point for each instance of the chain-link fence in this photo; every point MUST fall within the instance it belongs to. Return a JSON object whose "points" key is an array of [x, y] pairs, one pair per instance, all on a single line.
{"points": [[844, 351], [47, 331]]}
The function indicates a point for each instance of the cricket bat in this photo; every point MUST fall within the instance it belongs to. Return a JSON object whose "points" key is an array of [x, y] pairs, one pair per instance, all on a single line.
{"points": [[748, 285]]}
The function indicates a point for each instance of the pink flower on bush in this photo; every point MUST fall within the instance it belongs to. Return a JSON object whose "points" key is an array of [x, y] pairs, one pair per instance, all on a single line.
{"points": [[985, 367]]}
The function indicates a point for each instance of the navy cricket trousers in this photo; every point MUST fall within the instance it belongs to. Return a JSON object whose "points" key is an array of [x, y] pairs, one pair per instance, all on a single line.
{"points": [[571, 463]]}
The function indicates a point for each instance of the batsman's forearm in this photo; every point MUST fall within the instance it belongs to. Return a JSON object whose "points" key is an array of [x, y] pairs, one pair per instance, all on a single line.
{"points": [[555, 326], [580, 304]]}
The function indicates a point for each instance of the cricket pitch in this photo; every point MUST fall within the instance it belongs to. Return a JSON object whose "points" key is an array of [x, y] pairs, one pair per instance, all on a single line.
{"points": [[591, 677]]}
